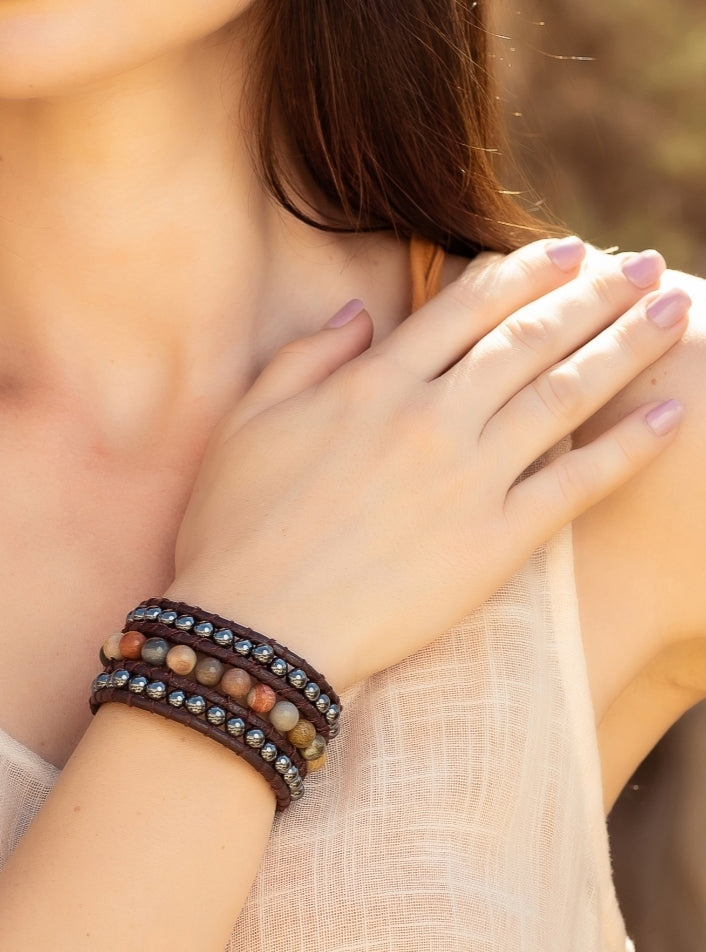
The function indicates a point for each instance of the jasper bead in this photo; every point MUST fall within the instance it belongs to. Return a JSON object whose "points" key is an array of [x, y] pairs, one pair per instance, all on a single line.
{"points": [[315, 749], [111, 646], [208, 671], [316, 764], [155, 651], [181, 659], [261, 698], [284, 716], [131, 645], [236, 683], [303, 734]]}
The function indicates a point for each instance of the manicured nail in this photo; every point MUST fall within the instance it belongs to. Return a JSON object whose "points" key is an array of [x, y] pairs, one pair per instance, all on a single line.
{"points": [[644, 269], [669, 308], [346, 314], [566, 253], [665, 418]]}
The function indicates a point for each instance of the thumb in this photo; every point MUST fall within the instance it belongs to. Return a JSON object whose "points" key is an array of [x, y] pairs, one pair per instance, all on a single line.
{"points": [[306, 361]]}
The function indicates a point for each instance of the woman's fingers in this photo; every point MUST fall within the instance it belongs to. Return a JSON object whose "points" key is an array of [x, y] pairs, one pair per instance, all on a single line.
{"points": [[547, 330], [567, 394], [540, 505], [488, 291]]}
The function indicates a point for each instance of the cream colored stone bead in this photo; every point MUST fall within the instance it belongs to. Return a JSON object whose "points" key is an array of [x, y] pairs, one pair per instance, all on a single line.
{"points": [[181, 659]]}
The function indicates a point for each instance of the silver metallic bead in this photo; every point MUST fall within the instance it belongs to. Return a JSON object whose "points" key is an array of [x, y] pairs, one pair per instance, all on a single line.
{"points": [[223, 637], [102, 681], [312, 691], [235, 726], [216, 715], [152, 613], [291, 775], [121, 678], [297, 678], [177, 698], [297, 785], [130, 617], [268, 752], [195, 704], [243, 647], [279, 667], [282, 764], [168, 617], [263, 654], [334, 730], [204, 628], [323, 703], [184, 623], [297, 794], [138, 614], [333, 713], [137, 684], [157, 690], [255, 738]]}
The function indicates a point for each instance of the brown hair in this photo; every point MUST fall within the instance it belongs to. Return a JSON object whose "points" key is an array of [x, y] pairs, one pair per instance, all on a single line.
{"points": [[385, 111]]}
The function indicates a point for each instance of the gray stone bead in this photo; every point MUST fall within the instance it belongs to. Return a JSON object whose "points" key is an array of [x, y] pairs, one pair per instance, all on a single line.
{"points": [[235, 726], [184, 623], [263, 654], [255, 738], [282, 764], [268, 752], [137, 684], [152, 613], [223, 637], [291, 775], [195, 704], [297, 678], [297, 794], [156, 690], [168, 617], [121, 678], [312, 691], [216, 715], [279, 667], [102, 681], [177, 698], [333, 713], [243, 647], [138, 614], [323, 703], [155, 651], [315, 749], [204, 628]]}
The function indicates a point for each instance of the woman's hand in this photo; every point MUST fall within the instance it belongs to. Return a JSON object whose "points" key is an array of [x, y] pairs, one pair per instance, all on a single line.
{"points": [[362, 516]]}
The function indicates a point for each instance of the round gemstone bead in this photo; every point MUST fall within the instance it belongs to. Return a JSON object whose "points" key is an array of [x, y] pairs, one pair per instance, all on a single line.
{"points": [[315, 749], [103, 658], [282, 764], [279, 667], [235, 726], [317, 764], [255, 738], [268, 752], [204, 628], [223, 637], [195, 704], [121, 678], [177, 698], [297, 678], [312, 691], [181, 659], [236, 683], [243, 647], [284, 716], [168, 617], [137, 684], [152, 613], [208, 671], [155, 651], [111, 646], [184, 623], [263, 654], [303, 734], [156, 690], [131, 645], [215, 715], [261, 698]]}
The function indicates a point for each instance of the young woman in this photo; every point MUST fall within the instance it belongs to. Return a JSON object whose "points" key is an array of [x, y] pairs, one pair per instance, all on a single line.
{"points": [[359, 498]]}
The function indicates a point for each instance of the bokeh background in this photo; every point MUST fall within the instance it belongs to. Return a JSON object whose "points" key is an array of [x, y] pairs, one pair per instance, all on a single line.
{"points": [[606, 112]]}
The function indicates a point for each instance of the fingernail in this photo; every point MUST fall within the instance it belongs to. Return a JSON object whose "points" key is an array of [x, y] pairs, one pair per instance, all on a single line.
{"points": [[644, 269], [665, 418], [566, 253], [346, 314], [669, 308]]}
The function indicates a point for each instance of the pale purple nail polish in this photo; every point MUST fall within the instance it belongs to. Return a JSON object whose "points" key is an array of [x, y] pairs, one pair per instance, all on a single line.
{"points": [[665, 418], [346, 314], [669, 308], [644, 269], [566, 253]]}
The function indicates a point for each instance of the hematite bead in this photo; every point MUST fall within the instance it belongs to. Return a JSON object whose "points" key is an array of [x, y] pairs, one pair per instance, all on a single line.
{"points": [[334, 730], [279, 667], [184, 623], [168, 617], [204, 628], [333, 713], [268, 752], [102, 681], [215, 715], [323, 703], [130, 617], [223, 637], [312, 691], [177, 698], [263, 654], [156, 690], [137, 684], [121, 678], [297, 785], [155, 651], [297, 794], [282, 764], [138, 614], [291, 774], [195, 704], [255, 738], [243, 647], [297, 678], [152, 612], [235, 726], [315, 749], [209, 671]]}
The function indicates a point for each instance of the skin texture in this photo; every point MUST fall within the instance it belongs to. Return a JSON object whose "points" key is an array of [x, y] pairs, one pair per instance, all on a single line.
{"points": [[133, 322]]}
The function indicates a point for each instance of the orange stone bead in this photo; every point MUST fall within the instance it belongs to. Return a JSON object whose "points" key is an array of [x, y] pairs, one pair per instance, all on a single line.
{"points": [[316, 764], [261, 698], [303, 734], [236, 683], [131, 645]]}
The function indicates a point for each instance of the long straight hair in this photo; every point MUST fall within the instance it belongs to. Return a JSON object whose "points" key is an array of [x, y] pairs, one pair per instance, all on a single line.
{"points": [[385, 112]]}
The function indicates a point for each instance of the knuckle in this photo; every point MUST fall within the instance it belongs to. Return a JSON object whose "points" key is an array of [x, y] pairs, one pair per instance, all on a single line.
{"points": [[577, 480], [561, 391], [528, 331], [476, 279], [606, 287]]}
